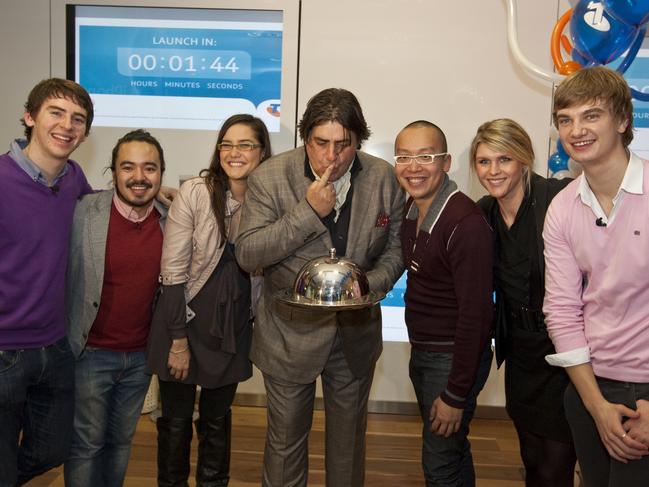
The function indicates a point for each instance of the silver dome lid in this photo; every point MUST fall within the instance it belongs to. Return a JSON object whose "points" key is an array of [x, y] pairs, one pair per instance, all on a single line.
{"points": [[330, 282]]}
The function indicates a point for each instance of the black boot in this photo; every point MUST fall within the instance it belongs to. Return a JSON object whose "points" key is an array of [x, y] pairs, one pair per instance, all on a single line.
{"points": [[213, 467], [174, 445]]}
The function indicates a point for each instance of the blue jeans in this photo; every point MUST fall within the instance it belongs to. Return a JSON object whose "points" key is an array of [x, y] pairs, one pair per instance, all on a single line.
{"points": [[446, 461], [598, 468], [109, 394], [36, 397]]}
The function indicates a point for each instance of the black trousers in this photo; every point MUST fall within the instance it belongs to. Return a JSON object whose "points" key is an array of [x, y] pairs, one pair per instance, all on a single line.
{"points": [[178, 400]]}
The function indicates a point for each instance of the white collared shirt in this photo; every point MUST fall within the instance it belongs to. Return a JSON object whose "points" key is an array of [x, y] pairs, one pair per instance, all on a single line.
{"points": [[128, 212], [631, 183]]}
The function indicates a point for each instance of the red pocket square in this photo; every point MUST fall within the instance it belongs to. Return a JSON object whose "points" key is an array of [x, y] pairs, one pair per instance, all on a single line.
{"points": [[382, 221]]}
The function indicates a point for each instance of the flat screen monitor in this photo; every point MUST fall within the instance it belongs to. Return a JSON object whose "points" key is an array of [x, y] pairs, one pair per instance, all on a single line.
{"points": [[176, 68]]}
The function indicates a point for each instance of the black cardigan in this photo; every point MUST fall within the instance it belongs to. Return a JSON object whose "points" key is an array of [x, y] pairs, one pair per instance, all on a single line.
{"points": [[542, 192]]}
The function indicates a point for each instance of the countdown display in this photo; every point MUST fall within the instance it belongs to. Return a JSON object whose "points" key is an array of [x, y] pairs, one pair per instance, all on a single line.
{"points": [[178, 68], [183, 62]]}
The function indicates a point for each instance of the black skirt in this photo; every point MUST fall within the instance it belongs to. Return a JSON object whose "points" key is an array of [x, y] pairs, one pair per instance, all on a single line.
{"points": [[533, 388], [220, 333]]}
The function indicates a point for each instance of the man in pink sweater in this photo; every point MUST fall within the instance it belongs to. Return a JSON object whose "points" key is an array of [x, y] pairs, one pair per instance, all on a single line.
{"points": [[596, 237]]}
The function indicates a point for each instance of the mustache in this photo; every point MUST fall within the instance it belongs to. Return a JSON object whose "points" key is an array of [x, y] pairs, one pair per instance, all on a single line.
{"points": [[144, 183]]}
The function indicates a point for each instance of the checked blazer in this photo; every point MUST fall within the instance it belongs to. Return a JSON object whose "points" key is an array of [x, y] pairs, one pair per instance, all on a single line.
{"points": [[280, 232]]}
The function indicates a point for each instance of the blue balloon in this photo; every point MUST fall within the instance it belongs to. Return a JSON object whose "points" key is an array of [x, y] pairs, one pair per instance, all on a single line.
{"points": [[597, 36], [631, 12], [580, 59], [558, 162], [633, 51], [638, 95]]}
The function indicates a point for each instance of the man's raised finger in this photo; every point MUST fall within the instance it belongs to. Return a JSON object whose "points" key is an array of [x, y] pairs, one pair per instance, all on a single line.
{"points": [[325, 176]]}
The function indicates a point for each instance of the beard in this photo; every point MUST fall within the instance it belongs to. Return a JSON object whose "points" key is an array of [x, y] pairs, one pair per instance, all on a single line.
{"points": [[138, 203]]}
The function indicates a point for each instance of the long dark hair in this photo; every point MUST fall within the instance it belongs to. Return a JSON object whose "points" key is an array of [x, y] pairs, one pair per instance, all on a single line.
{"points": [[215, 177]]}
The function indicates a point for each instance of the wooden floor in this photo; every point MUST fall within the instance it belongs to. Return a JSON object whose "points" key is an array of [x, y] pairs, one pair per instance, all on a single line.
{"points": [[393, 452]]}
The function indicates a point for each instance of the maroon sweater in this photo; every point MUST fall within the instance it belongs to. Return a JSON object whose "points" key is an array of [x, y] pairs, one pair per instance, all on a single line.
{"points": [[449, 290], [133, 252]]}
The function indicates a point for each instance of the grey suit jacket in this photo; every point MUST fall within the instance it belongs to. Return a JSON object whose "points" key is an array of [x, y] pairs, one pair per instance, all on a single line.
{"points": [[280, 232], [85, 274]]}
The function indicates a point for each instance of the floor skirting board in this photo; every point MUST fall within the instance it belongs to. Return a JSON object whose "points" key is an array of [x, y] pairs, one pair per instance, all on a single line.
{"points": [[388, 407]]}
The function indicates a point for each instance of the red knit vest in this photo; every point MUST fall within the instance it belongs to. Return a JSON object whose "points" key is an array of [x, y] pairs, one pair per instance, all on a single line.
{"points": [[133, 252]]}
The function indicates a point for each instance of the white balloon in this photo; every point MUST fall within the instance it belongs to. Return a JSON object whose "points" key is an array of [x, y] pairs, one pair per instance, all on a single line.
{"points": [[512, 39]]}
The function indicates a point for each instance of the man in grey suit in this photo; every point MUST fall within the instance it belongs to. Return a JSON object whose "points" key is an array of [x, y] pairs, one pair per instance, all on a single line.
{"points": [[299, 205], [113, 268]]}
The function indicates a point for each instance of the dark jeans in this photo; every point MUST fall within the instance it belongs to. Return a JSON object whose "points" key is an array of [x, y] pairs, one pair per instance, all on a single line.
{"points": [[37, 398], [110, 391], [598, 469], [446, 461]]}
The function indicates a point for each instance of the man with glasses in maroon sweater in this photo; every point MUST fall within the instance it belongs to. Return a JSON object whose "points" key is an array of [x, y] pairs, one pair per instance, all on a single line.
{"points": [[447, 250]]}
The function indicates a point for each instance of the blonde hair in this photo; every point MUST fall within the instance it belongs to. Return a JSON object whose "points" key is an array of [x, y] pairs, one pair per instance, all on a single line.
{"points": [[506, 136], [597, 84]]}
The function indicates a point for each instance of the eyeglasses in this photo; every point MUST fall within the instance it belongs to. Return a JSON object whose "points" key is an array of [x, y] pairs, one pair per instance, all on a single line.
{"points": [[420, 158], [243, 146]]}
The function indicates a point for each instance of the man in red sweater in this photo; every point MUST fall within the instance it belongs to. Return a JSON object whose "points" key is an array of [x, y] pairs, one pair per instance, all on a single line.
{"points": [[447, 250], [113, 269]]}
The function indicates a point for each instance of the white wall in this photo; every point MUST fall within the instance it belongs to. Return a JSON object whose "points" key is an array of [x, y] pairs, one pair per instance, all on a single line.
{"points": [[409, 59], [25, 57]]}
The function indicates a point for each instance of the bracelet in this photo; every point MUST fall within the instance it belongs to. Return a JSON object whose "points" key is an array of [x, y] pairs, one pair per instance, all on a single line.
{"points": [[179, 351]]}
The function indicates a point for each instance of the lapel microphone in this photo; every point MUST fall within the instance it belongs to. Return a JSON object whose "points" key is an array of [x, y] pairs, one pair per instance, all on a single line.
{"points": [[600, 222]]}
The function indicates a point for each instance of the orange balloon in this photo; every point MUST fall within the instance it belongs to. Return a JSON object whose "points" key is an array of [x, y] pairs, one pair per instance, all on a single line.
{"points": [[557, 41], [570, 67]]}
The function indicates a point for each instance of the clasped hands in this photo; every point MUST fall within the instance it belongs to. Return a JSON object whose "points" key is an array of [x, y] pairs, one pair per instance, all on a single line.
{"points": [[624, 439]]}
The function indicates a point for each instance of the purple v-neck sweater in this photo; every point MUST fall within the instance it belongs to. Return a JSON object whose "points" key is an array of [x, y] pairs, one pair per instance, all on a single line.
{"points": [[35, 223]]}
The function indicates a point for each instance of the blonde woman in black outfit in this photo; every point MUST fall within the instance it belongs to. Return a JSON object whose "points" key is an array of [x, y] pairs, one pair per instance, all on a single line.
{"points": [[503, 159]]}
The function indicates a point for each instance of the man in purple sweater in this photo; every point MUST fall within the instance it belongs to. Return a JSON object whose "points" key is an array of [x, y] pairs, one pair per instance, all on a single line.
{"points": [[447, 250], [39, 187]]}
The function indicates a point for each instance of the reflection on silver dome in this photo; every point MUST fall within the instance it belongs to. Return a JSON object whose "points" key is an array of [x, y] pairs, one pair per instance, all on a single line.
{"points": [[331, 281]]}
